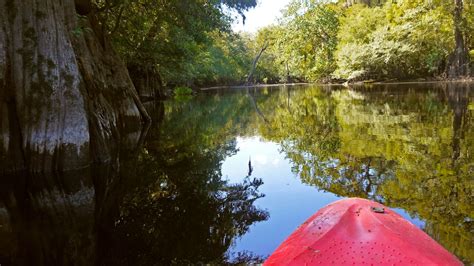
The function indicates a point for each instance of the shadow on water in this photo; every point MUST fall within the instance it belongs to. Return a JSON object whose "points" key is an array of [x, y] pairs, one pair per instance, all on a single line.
{"points": [[407, 146], [153, 206]]}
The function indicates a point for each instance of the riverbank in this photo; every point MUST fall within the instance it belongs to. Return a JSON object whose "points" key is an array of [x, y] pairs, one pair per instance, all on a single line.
{"points": [[365, 82]]}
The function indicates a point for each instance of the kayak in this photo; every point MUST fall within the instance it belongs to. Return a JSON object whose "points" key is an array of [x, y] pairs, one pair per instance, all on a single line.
{"points": [[357, 231]]}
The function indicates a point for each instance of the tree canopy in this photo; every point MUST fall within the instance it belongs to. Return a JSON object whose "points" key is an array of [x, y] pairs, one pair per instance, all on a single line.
{"points": [[191, 43], [361, 40]]}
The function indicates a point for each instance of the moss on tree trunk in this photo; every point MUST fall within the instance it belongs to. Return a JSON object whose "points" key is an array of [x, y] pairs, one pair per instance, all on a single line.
{"points": [[65, 96]]}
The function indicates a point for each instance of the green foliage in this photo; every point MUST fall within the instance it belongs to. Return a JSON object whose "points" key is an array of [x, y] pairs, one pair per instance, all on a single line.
{"points": [[267, 70], [170, 38], [183, 94], [225, 60], [183, 91], [190, 42], [307, 40], [406, 146], [358, 22], [178, 208], [357, 40], [393, 41], [410, 150]]}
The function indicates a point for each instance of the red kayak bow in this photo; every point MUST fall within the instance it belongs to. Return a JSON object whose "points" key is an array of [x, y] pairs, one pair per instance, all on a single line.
{"points": [[356, 232]]}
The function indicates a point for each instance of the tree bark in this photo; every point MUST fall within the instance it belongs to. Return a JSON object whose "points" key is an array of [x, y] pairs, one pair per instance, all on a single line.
{"points": [[147, 81], [254, 65], [65, 96], [458, 61]]}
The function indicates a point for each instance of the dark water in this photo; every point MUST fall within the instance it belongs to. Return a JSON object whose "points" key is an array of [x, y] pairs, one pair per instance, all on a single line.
{"points": [[226, 175]]}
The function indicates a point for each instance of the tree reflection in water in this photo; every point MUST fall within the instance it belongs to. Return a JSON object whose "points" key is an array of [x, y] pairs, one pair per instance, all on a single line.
{"points": [[407, 146], [181, 211], [163, 203]]}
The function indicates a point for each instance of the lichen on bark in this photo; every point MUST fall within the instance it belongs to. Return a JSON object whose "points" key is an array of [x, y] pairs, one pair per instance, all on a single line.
{"points": [[64, 97]]}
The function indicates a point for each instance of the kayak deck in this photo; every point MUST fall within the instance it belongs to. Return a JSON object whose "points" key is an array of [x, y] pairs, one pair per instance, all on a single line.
{"points": [[358, 231]]}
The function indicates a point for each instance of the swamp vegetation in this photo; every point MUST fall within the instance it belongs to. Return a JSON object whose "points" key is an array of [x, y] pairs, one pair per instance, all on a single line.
{"points": [[96, 167], [185, 196], [73, 74]]}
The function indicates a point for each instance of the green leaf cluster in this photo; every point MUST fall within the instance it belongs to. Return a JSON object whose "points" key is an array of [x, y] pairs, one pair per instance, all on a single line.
{"points": [[302, 46], [393, 41], [182, 42], [362, 40]]}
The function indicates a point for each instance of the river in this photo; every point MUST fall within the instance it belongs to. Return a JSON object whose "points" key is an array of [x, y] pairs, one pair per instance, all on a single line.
{"points": [[226, 175]]}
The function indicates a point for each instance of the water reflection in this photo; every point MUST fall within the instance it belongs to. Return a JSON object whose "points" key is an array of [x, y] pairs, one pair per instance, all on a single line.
{"points": [[407, 146], [288, 200], [177, 209], [164, 203], [187, 196]]}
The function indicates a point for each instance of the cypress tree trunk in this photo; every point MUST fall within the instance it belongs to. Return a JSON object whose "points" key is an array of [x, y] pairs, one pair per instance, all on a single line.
{"points": [[147, 81], [458, 61], [65, 96]]}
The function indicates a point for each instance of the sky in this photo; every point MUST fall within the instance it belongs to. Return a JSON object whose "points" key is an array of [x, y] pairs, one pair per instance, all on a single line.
{"points": [[264, 14]]}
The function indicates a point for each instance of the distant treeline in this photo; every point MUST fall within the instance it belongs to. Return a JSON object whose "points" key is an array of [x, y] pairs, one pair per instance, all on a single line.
{"points": [[191, 43], [360, 40]]}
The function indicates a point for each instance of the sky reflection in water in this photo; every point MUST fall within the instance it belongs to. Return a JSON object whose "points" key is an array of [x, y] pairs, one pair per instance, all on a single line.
{"points": [[182, 197], [288, 200]]}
